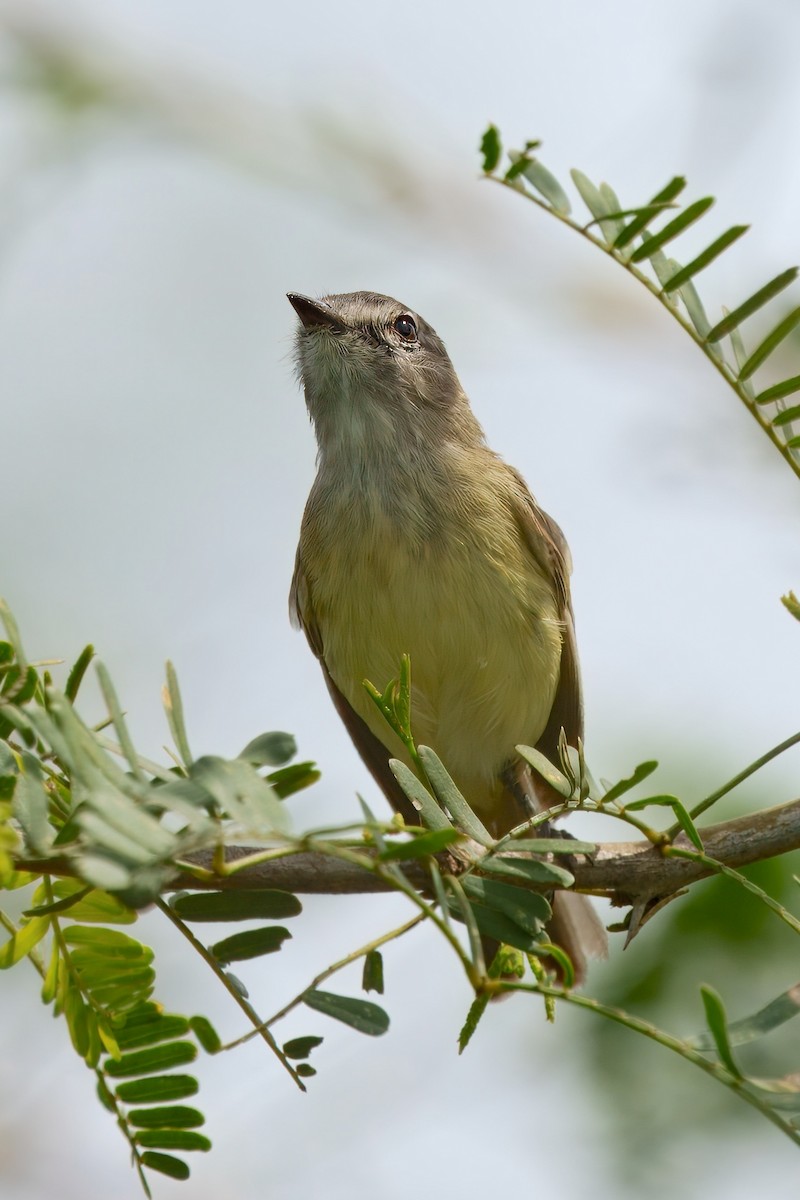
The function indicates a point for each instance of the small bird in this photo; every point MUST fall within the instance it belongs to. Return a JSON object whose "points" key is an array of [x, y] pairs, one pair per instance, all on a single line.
{"points": [[418, 539]]}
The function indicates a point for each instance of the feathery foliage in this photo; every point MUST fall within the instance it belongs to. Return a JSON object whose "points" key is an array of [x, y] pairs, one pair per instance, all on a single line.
{"points": [[635, 236]]}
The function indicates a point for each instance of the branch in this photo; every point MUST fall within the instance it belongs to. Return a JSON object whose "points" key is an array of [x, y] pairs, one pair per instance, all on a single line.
{"points": [[624, 872]]}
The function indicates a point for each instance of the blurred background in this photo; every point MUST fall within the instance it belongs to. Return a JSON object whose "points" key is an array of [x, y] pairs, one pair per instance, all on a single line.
{"points": [[167, 173]]}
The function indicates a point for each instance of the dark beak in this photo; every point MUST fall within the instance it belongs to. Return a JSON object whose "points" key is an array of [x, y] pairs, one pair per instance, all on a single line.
{"points": [[314, 314]]}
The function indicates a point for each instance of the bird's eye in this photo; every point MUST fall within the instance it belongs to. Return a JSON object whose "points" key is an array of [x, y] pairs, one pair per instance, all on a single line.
{"points": [[406, 326]]}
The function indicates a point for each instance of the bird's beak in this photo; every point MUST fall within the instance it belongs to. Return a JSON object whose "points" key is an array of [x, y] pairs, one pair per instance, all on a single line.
{"points": [[314, 314]]}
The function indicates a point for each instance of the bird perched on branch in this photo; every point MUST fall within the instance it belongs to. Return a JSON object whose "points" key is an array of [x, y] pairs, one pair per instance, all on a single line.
{"points": [[418, 539]]}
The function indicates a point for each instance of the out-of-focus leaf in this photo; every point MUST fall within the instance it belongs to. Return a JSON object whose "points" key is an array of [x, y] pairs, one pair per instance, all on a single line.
{"points": [[690, 214], [23, 941], [155, 1058], [159, 1089], [780, 1010], [173, 1139], [251, 943], [206, 1034], [269, 750], [175, 1168], [175, 1116], [361, 1015], [529, 910], [752, 304], [770, 342], [265, 903], [491, 149], [77, 672], [641, 772], [372, 976], [288, 780], [706, 258], [650, 211], [778, 390], [718, 1026], [301, 1047]]}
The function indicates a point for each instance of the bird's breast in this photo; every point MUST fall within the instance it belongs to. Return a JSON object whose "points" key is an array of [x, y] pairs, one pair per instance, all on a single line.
{"points": [[452, 583]]}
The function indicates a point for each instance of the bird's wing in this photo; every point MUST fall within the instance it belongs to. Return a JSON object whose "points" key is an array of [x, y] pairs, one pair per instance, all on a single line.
{"points": [[372, 750], [549, 548]]}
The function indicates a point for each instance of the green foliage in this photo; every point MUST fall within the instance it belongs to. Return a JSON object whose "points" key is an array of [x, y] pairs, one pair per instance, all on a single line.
{"points": [[627, 237]]}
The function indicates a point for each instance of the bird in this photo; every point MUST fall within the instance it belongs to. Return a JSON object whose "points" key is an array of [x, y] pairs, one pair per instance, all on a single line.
{"points": [[419, 539]]}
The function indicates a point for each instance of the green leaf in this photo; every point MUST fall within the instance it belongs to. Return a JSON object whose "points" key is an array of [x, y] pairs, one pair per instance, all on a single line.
{"points": [[269, 750], [23, 941], [31, 807], [780, 1010], [684, 219], [491, 148], [526, 868], [206, 1034], [529, 910], [84, 903], [160, 1088], [495, 925], [361, 1015], [420, 797], [372, 975], [173, 1139], [450, 797], [305, 1070], [706, 258], [118, 720], [543, 181], [301, 1047], [565, 845], [558, 782], [788, 415], [173, 706], [155, 1058], [107, 941], [102, 872], [718, 1026], [242, 793], [176, 1116], [250, 943], [421, 845], [175, 1168], [650, 211], [548, 950], [770, 342], [75, 677], [157, 1027], [779, 390], [596, 203], [694, 308], [476, 1011], [288, 780], [265, 903], [682, 816], [641, 772], [791, 604], [752, 304]]}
